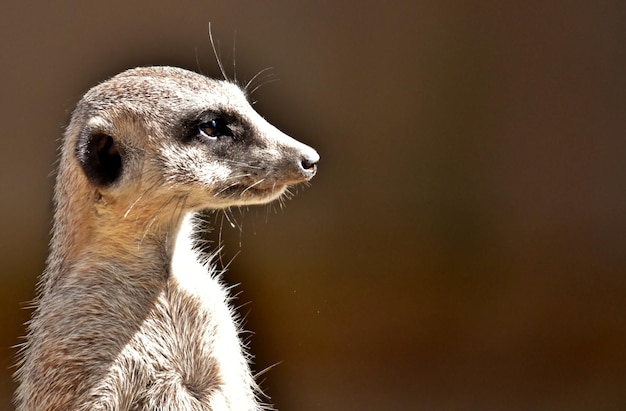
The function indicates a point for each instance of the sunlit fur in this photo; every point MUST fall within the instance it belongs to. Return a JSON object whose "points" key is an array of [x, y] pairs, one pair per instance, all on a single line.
{"points": [[127, 316]]}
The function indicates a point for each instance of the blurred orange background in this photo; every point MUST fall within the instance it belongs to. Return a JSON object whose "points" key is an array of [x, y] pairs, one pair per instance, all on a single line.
{"points": [[463, 245]]}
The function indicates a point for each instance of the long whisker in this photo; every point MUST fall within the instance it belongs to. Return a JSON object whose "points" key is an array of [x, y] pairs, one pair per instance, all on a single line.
{"points": [[253, 185], [239, 163], [219, 239], [234, 57], [217, 57], [238, 176], [255, 77], [156, 215], [235, 184], [263, 84], [147, 190], [198, 61], [231, 222]]}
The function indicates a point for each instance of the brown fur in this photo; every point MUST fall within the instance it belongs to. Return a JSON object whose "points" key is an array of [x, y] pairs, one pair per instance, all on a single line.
{"points": [[127, 316]]}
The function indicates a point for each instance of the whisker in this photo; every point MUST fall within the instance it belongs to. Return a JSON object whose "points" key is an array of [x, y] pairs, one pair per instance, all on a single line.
{"points": [[235, 184], [239, 163], [234, 57], [239, 223], [133, 204], [268, 209], [288, 194], [228, 265], [139, 199], [262, 79], [215, 52], [253, 185], [198, 61], [228, 218], [156, 215], [263, 84], [255, 77], [238, 176], [219, 239]]}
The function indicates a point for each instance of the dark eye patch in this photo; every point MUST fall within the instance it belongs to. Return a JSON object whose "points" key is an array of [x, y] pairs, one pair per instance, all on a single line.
{"points": [[217, 127], [210, 125]]}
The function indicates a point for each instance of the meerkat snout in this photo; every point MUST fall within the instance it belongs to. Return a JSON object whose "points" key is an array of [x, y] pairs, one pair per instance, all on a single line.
{"points": [[309, 163], [302, 160]]}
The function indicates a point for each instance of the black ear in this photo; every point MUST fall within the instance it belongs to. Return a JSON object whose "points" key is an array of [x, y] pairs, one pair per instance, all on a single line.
{"points": [[100, 158]]}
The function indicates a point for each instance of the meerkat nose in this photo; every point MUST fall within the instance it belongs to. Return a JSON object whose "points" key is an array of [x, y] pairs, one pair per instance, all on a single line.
{"points": [[308, 162]]}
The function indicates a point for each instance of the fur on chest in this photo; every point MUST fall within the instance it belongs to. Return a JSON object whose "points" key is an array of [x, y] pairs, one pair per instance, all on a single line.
{"points": [[184, 355]]}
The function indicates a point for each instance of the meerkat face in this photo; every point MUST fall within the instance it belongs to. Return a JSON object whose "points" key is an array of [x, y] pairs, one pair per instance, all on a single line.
{"points": [[167, 132]]}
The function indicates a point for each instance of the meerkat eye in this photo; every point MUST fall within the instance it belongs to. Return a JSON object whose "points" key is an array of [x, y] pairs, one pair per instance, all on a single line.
{"points": [[215, 128]]}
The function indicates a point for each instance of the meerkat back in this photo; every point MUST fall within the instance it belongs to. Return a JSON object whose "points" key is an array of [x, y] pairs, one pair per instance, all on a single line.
{"points": [[127, 315]]}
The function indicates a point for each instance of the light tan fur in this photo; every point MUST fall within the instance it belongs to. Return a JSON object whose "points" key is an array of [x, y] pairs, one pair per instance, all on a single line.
{"points": [[127, 316]]}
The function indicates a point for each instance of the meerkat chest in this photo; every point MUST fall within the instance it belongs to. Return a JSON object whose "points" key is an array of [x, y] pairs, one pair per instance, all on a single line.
{"points": [[183, 353]]}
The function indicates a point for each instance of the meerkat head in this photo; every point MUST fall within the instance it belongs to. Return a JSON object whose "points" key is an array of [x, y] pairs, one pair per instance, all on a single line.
{"points": [[168, 134]]}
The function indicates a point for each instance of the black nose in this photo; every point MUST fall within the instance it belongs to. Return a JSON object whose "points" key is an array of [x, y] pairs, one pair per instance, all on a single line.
{"points": [[308, 163]]}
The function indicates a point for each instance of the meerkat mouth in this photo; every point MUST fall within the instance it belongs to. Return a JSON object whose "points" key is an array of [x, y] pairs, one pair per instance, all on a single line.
{"points": [[260, 193]]}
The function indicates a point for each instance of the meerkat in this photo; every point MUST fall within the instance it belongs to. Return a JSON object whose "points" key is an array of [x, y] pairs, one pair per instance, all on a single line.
{"points": [[128, 316]]}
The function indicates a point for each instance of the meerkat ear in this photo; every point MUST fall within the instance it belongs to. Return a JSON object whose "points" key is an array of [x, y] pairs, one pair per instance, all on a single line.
{"points": [[100, 158]]}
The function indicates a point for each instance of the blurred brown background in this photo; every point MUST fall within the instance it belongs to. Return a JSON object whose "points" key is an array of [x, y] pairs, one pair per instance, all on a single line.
{"points": [[463, 245]]}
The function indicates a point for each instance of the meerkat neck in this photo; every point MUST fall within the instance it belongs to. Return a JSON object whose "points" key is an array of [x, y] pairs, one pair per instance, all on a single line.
{"points": [[97, 230]]}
